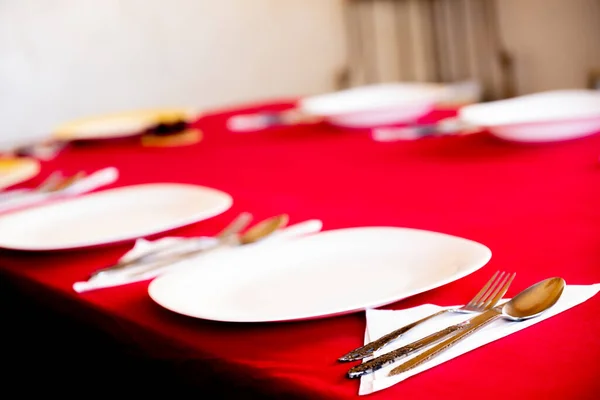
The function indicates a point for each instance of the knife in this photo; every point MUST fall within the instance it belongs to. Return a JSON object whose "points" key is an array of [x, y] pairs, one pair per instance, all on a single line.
{"points": [[473, 325], [404, 351], [388, 358]]}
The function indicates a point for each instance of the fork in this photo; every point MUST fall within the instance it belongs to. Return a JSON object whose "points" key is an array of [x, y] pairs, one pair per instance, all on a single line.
{"points": [[485, 299], [47, 185], [54, 182], [52, 186], [57, 186], [66, 182]]}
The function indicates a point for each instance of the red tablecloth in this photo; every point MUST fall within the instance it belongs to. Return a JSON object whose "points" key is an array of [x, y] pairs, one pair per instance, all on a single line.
{"points": [[536, 206]]}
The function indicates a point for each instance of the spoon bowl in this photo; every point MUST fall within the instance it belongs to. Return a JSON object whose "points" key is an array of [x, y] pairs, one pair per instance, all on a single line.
{"points": [[534, 300], [263, 229]]}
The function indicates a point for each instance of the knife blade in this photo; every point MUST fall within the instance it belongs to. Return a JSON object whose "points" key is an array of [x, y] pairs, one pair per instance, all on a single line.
{"points": [[404, 351], [473, 326]]}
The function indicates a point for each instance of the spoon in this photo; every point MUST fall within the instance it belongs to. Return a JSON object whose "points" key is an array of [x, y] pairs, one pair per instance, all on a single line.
{"points": [[263, 229], [529, 303]]}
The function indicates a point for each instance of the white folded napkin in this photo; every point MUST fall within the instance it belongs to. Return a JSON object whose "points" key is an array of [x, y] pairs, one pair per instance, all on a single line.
{"points": [[380, 322], [19, 198], [207, 246], [447, 126]]}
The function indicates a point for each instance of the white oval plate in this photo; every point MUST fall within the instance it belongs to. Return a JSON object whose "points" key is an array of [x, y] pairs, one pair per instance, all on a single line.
{"points": [[324, 274], [374, 105], [540, 117], [119, 125], [110, 216]]}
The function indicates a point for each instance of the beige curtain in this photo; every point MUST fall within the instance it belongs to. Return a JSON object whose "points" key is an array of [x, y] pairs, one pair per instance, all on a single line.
{"points": [[427, 41]]}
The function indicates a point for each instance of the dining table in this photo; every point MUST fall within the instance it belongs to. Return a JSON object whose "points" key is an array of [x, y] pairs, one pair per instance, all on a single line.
{"points": [[535, 205]]}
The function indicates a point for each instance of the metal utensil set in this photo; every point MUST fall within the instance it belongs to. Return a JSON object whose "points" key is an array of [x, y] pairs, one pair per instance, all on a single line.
{"points": [[527, 304]]}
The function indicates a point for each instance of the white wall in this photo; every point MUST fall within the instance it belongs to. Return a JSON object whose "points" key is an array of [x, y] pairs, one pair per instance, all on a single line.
{"points": [[62, 59]]}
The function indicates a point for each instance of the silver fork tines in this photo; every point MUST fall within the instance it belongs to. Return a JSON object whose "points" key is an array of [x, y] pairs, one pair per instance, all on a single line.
{"points": [[490, 294]]}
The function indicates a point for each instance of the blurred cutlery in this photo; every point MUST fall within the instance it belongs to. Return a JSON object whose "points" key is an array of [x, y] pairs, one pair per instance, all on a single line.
{"points": [[47, 185], [236, 226], [91, 182], [56, 186], [151, 270], [444, 127], [233, 228], [255, 233], [263, 229], [296, 230], [269, 119]]}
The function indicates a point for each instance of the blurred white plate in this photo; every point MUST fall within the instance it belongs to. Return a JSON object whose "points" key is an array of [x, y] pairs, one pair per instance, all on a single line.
{"points": [[119, 125], [374, 105], [540, 117], [110, 216], [328, 273]]}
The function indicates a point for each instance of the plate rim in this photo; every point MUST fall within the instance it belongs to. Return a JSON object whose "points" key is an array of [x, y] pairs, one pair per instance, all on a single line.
{"points": [[430, 94], [69, 130], [471, 112], [227, 204]]}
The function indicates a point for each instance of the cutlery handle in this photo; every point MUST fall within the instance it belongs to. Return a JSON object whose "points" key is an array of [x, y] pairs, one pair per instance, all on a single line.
{"points": [[95, 180], [234, 227], [121, 265], [389, 358], [296, 230], [447, 126], [257, 121], [13, 193], [269, 119], [370, 348], [392, 134], [473, 326], [26, 200], [173, 259]]}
